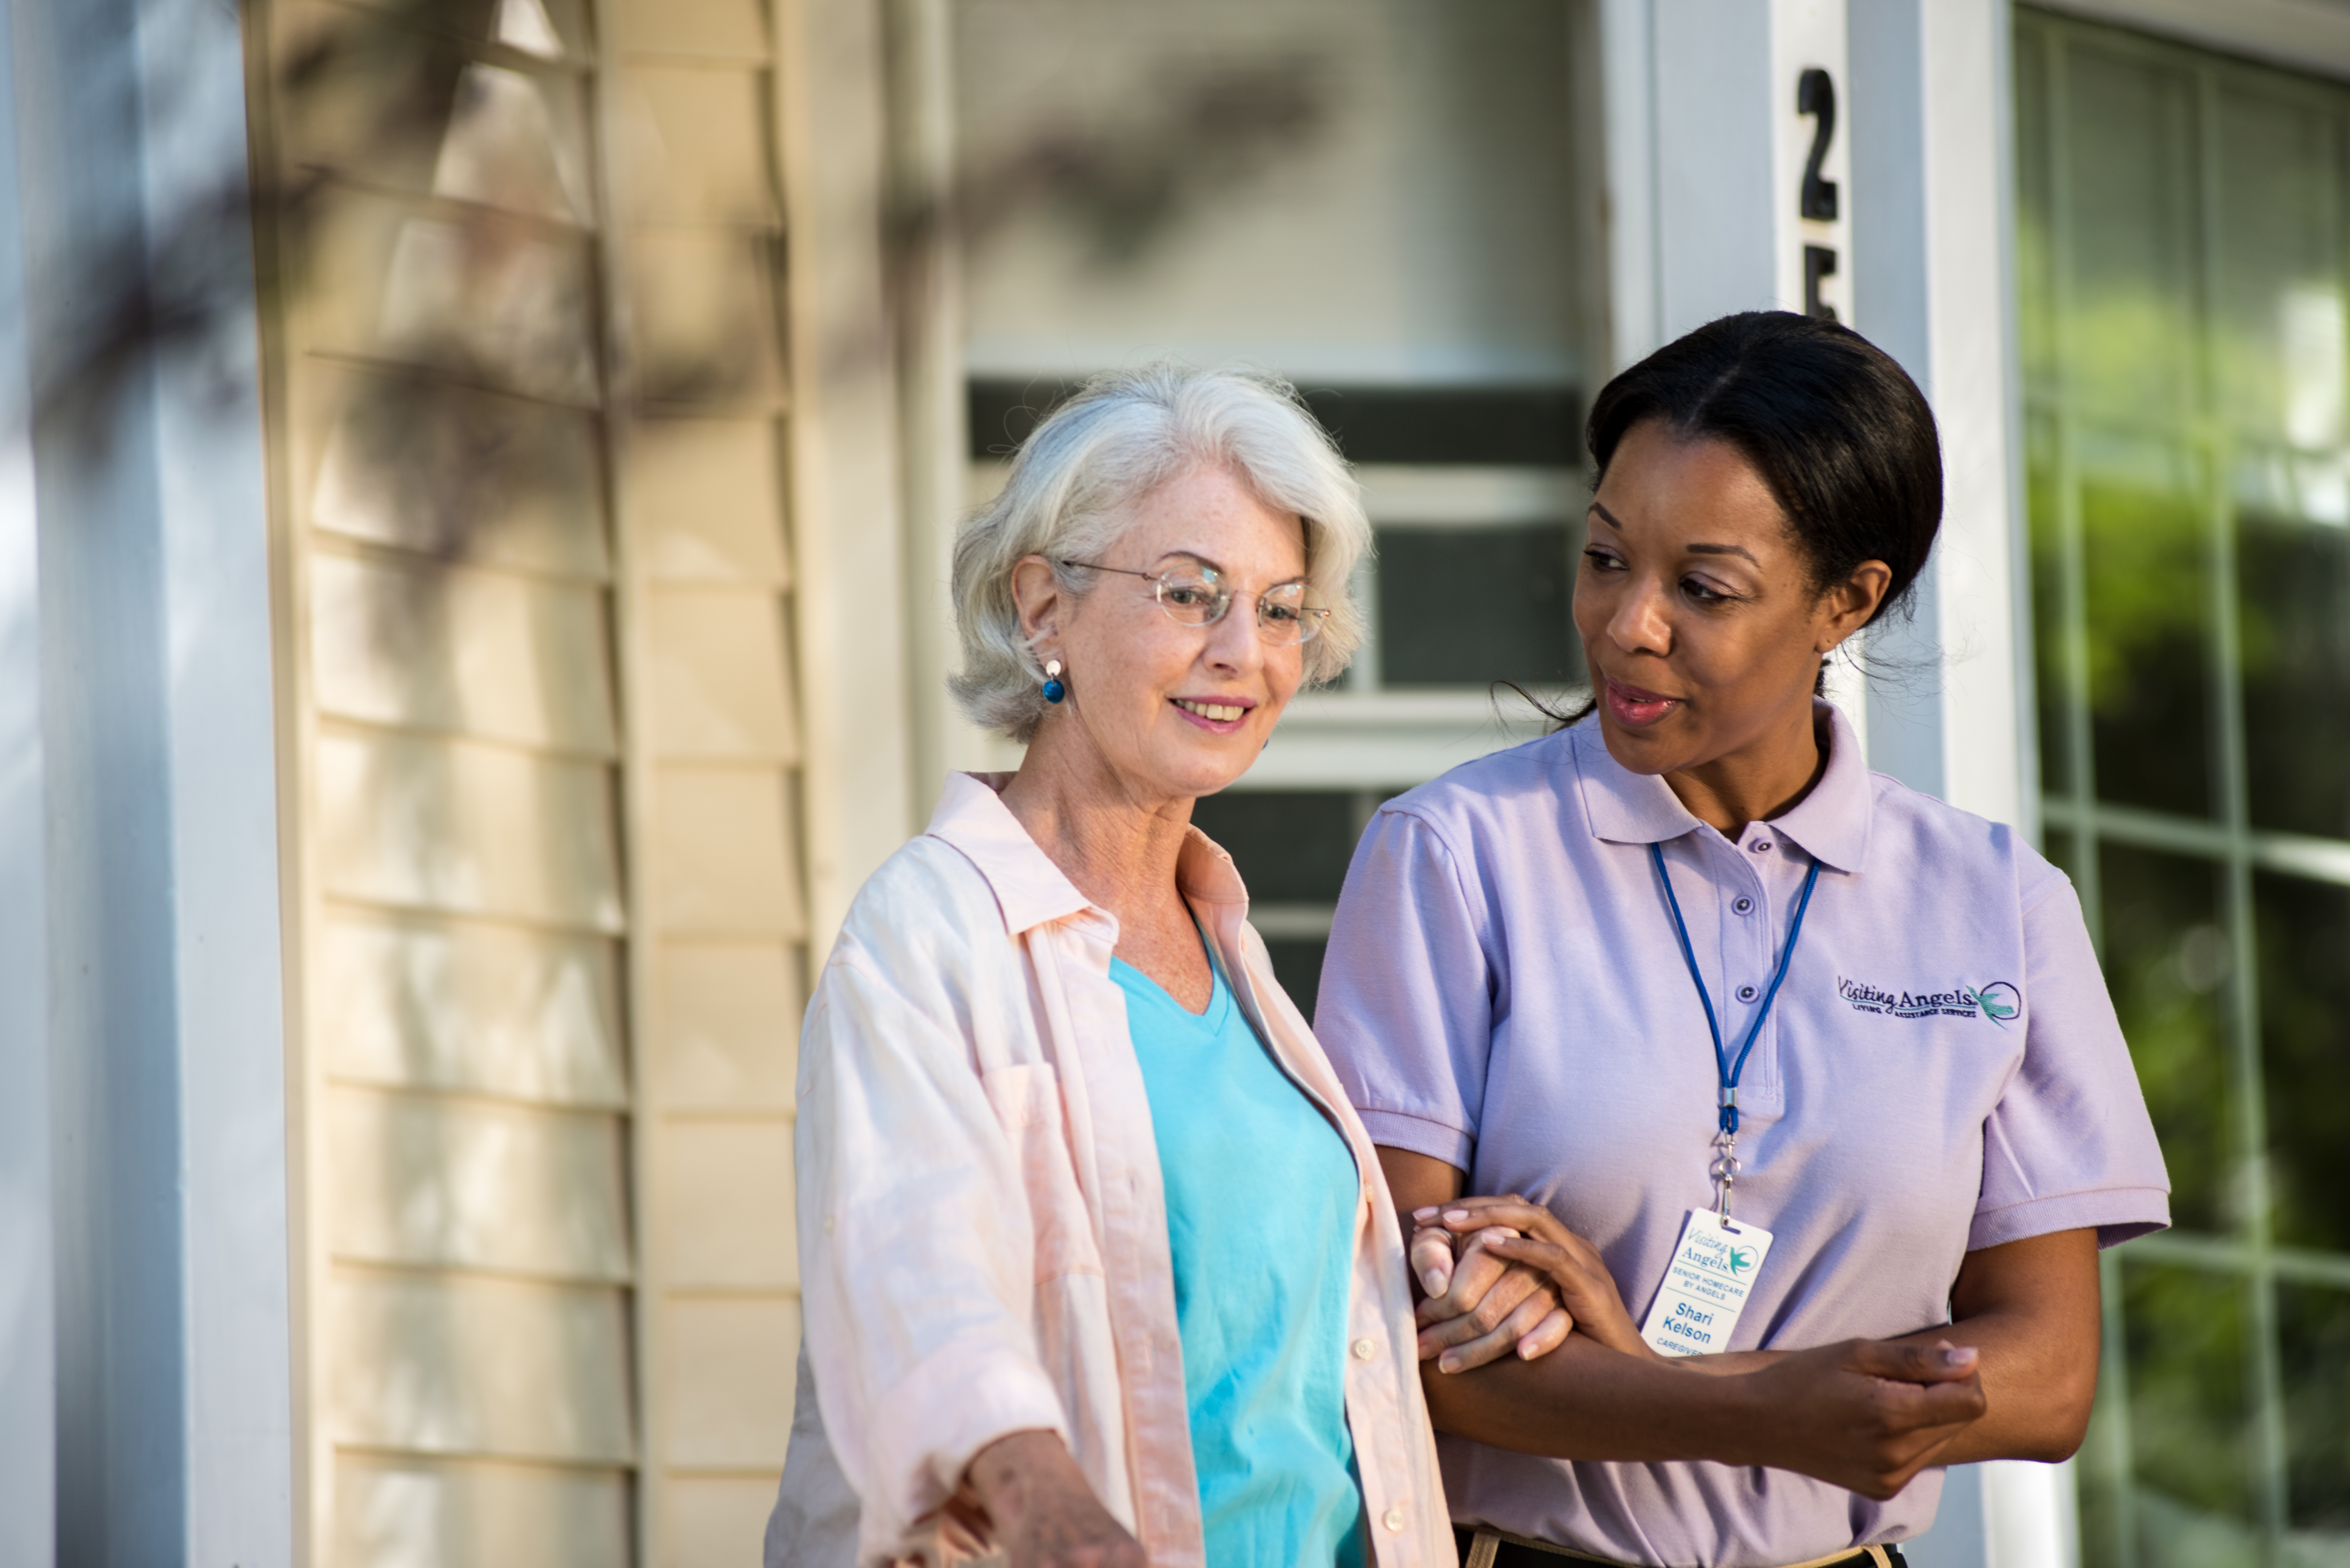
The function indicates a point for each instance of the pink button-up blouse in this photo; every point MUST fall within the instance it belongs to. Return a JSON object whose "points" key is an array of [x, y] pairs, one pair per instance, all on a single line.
{"points": [[982, 1227]]}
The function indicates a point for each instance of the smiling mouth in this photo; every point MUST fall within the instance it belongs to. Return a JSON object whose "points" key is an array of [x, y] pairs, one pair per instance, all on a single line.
{"points": [[1215, 712], [1637, 707]]}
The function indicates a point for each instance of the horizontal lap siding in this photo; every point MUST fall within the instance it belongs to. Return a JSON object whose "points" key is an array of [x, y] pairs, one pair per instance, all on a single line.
{"points": [[469, 1197], [718, 748], [549, 738]]}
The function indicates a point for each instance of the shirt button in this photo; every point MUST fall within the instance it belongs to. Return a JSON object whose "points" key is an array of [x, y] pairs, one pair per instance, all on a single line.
{"points": [[1392, 1519], [1744, 905], [1364, 1350], [1762, 847], [1745, 993]]}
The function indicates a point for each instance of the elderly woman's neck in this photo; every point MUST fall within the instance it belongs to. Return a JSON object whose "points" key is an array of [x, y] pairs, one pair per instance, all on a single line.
{"points": [[1117, 844]]}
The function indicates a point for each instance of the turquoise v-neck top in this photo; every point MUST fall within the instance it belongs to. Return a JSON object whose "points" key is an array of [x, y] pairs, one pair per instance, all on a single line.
{"points": [[1261, 1195]]}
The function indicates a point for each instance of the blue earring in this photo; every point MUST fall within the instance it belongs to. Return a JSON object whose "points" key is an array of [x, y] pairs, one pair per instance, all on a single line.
{"points": [[1054, 690]]}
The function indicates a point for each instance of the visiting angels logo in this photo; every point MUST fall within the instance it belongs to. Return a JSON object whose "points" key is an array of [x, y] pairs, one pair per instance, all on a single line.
{"points": [[2000, 1000]]}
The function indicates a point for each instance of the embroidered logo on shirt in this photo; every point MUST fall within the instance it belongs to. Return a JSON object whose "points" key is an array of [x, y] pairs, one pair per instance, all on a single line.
{"points": [[2000, 1000]]}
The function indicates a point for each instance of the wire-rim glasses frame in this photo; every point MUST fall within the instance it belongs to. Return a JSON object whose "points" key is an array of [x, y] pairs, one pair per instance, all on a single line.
{"points": [[1175, 593]]}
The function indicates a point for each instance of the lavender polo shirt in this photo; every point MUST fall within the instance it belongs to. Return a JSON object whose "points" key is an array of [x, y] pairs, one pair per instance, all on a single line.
{"points": [[1503, 992]]}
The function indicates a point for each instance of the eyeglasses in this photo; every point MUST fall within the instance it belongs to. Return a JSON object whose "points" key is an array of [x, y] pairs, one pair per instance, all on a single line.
{"points": [[1195, 595]]}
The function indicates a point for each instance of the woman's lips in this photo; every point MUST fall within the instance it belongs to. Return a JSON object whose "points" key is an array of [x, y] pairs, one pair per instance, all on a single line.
{"points": [[1632, 705], [1216, 718]]}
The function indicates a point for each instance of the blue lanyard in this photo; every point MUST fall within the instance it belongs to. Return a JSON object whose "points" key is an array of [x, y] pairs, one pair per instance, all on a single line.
{"points": [[1729, 1069]]}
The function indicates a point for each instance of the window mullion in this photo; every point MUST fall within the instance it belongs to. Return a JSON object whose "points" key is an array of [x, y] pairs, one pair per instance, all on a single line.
{"points": [[2115, 1450], [2250, 1195]]}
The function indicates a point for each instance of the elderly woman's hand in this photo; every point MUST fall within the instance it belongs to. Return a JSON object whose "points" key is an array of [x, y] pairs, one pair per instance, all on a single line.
{"points": [[1512, 1252], [1042, 1511], [1478, 1305]]}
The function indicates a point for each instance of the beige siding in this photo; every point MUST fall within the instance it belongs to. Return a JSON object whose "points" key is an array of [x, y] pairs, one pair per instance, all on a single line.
{"points": [[529, 388], [406, 1510], [719, 740]]}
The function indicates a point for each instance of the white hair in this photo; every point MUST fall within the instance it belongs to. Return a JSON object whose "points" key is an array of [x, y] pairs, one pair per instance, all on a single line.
{"points": [[1079, 480]]}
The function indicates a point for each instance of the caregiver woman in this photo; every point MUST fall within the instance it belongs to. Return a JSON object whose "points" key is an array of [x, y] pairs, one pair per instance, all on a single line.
{"points": [[1690, 957], [1098, 1259]]}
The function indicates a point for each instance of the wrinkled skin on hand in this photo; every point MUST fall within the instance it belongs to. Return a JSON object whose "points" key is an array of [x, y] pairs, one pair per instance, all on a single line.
{"points": [[1042, 1511]]}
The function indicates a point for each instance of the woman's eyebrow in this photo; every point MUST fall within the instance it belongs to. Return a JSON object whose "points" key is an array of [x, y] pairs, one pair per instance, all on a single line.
{"points": [[1614, 522]]}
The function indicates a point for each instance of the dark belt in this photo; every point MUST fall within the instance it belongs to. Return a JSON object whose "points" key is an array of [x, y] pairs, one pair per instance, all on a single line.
{"points": [[1517, 1552]]}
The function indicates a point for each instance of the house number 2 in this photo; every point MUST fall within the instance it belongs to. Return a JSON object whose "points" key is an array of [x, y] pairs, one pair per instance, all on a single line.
{"points": [[1816, 96]]}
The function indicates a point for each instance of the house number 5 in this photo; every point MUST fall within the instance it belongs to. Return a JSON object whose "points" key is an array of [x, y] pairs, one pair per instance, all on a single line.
{"points": [[1816, 96]]}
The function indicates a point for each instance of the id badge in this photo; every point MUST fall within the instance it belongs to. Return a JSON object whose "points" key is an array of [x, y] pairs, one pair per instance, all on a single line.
{"points": [[1706, 1285]]}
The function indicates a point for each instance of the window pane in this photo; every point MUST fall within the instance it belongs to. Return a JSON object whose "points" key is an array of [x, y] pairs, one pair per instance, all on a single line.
{"points": [[2305, 947], [2144, 552], [1291, 848], [2131, 335], [1468, 607], [2034, 256], [2063, 847], [2166, 958], [2313, 1342], [2279, 299], [2295, 583], [1298, 966], [2190, 1427]]}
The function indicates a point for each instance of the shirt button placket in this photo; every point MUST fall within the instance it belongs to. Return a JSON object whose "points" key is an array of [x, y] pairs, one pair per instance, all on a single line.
{"points": [[1752, 907]]}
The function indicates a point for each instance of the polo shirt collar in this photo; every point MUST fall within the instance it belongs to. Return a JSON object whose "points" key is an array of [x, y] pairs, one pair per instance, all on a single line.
{"points": [[1831, 824], [1625, 807], [1029, 888]]}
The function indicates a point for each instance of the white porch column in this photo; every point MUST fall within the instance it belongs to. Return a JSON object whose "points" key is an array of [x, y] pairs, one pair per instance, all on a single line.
{"points": [[1729, 175], [1711, 134], [28, 1338], [145, 1364], [1933, 119]]}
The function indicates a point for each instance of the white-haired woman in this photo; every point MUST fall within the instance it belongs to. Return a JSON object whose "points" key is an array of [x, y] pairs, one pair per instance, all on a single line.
{"points": [[1098, 1259]]}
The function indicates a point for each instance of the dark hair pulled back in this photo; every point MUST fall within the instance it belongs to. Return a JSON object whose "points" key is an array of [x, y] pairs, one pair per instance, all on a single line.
{"points": [[1836, 428]]}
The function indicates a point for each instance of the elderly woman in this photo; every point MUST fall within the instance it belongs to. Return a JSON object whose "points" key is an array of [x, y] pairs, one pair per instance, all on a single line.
{"points": [[1098, 1259]]}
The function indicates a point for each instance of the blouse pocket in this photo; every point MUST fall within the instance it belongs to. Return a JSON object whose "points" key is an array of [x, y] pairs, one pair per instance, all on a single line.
{"points": [[1027, 1102]]}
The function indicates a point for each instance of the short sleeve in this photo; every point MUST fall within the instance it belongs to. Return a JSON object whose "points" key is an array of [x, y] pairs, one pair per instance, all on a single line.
{"points": [[2070, 1145], [1406, 1006]]}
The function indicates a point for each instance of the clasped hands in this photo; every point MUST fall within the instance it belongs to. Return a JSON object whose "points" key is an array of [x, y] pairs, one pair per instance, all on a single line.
{"points": [[1500, 1275]]}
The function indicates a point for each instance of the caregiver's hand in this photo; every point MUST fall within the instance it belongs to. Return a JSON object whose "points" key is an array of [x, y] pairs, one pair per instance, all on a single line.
{"points": [[1041, 1508], [1511, 1230], [1866, 1415], [1480, 1306]]}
